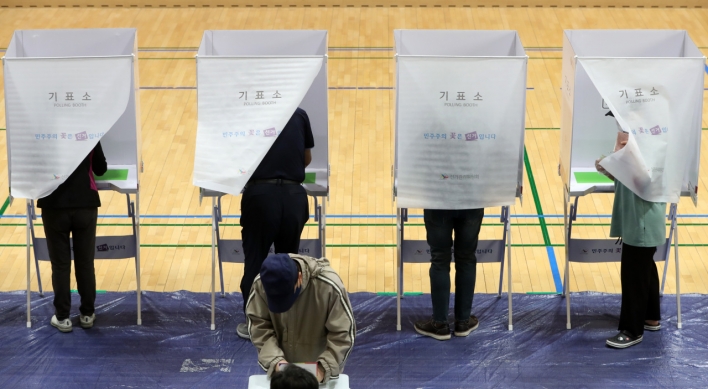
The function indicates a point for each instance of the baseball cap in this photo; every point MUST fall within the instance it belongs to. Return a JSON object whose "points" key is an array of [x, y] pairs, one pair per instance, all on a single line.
{"points": [[279, 275]]}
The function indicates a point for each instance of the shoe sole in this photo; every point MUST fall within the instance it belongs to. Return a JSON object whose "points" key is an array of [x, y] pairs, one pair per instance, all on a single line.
{"points": [[242, 336], [465, 333], [652, 328], [64, 330], [86, 326], [434, 336], [623, 345]]}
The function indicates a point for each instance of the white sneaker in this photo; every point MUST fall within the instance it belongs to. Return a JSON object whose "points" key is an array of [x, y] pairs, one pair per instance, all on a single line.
{"points": [[63, 326], [87, 321]]}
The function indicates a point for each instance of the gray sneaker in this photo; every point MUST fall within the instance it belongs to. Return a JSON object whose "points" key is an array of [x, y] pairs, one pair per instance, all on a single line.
{"points": [[87, 321], [63, 326], [242, 331]]}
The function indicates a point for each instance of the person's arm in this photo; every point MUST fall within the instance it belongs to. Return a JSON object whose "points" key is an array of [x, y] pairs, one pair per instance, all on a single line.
{"points": [[98, 161], [308, 157], [309, 139], [262, 332], [341, 329]]}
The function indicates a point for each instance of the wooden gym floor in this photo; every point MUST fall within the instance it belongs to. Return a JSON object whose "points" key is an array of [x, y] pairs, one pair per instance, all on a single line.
{"points": [[176, 253]]}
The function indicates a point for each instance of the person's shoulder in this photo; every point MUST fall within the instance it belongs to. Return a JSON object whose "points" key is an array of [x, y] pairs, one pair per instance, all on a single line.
{"points": [[301, 113]]}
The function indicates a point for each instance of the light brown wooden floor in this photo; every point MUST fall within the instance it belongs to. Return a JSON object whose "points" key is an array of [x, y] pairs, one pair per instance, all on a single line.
{"points": [[360, 141]]}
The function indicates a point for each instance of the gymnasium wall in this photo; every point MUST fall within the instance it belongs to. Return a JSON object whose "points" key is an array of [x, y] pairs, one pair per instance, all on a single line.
{"points": [[360, 3]]}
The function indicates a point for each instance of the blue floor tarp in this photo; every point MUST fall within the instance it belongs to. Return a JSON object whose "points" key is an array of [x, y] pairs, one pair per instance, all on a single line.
{"points": [[174, 347]]}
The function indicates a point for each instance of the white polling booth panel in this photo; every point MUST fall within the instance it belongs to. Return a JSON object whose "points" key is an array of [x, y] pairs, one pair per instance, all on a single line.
{"points": [[460, 120], [64, 91], [249, 84], [460, 110], [652, 80]]}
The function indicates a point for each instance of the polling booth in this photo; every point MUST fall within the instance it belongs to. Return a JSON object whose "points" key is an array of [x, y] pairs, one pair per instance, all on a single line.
{"points": [[652, 82], [249, 83], [460, 106], [66, 90]]}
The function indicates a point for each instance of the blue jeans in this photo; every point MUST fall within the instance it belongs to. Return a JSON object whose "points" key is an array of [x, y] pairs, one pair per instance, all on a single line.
{"points": [[439, 226]]}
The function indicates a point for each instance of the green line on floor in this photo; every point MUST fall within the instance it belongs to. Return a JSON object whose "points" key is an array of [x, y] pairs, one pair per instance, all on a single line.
{"points": [[5, 205], [99, 291]]}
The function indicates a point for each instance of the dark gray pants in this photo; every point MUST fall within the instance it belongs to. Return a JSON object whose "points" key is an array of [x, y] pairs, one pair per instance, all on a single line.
{"points": [[81, 223], [439, 226]]}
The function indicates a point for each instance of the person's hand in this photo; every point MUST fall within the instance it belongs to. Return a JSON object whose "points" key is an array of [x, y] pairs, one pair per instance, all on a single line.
{"points": [[320, 372], [280, 364], [602, 169]]}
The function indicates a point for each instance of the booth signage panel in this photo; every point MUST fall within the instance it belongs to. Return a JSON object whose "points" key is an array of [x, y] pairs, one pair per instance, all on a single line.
{"points": [[268, 43], [418, 251], [231, 250], [649, 60], [469, 128], [244, 104], [57, 111], [603, 250], [107, 247], [655, 100]]}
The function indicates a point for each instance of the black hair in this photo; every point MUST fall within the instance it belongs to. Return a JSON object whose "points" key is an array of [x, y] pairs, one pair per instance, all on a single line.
{"points": [[293, 377]]}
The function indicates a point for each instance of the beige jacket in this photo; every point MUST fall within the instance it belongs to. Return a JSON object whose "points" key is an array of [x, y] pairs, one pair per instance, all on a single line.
{"points": [[319, 327]]}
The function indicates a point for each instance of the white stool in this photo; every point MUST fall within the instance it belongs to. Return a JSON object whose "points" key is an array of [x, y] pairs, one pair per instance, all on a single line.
{"points": [[262, 382]]}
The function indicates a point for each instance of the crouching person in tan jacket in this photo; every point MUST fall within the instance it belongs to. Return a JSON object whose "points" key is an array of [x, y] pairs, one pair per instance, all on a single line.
{"points": [[298, 311]]}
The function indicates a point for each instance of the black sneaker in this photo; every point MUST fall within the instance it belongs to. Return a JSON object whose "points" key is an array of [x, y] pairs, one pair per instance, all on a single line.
{"points": [[463, 328], [649, 327], [439, 330], [623, 340]]}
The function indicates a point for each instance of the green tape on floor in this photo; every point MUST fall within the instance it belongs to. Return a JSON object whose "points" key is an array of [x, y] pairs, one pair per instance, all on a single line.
{"points": [[97, 292]]}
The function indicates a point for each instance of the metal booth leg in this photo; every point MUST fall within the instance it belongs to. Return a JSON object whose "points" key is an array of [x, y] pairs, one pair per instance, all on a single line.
{"points": [[507, 227], [32, 217], [213, 263], [678, 280], [569, 214], [502, 219], [667, 252], [322, 225], [399, 263], [134, 213], [216, 218], [29, 267]]}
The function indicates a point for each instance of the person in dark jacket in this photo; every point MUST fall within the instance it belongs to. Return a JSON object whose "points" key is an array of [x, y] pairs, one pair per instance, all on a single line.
{"points": [[274, 206], [73, 209]]}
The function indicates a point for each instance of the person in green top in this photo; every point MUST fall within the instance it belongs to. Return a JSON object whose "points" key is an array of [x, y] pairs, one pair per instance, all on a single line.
{"points": [[641, 227]]}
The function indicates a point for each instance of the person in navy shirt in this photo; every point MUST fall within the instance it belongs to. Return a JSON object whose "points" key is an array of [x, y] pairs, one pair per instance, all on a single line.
{"points": [[274, 205]]}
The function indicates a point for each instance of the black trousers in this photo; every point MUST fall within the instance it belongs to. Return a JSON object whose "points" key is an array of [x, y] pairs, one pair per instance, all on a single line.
{"points": [[81, 223], [271, 214], [640, 289]]}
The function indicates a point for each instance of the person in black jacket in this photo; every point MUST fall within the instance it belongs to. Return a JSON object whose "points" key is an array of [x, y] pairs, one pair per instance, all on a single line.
{"points": [[73, 208]]}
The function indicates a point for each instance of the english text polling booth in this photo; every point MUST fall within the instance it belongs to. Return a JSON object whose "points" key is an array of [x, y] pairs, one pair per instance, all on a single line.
{"points": [[249, 83], [652, 81], [66, 90], [460, 105]]}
